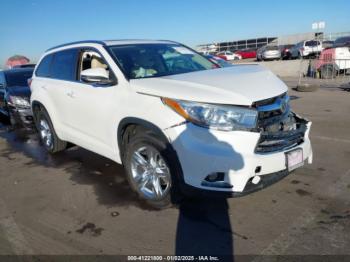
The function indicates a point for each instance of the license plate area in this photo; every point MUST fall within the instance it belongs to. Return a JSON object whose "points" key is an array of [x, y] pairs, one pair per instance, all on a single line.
{"points": [[294, 159]]}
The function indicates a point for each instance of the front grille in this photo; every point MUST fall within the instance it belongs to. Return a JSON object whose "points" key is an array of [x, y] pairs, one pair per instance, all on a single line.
{"points": [[280, 128]]}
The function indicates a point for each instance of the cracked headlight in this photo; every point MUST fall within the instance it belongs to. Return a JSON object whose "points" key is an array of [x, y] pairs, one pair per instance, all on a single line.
{"points": [[221, 117], [19, 101]]}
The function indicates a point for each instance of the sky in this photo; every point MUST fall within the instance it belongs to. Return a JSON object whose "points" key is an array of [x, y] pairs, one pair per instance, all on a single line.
{"points": [[29, 27]]}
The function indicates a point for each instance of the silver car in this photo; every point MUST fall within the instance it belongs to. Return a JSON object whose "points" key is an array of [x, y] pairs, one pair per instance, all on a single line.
{"points": [[268, 53]]}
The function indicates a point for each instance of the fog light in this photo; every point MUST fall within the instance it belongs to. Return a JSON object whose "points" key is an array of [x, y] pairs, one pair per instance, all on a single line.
{"points": [[256, 180]]}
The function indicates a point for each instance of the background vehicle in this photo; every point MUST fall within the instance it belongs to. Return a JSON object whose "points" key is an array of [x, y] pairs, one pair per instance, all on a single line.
{"points": [[246, 53], [15, 95], [285, 51], [218, 61], [327, 44], [306, 49], [268, 53], [342, 42], [228, 55], [333, 61]]}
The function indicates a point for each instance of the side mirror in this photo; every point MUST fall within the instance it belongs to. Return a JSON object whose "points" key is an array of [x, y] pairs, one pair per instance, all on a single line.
{"points": [[95, 76]]}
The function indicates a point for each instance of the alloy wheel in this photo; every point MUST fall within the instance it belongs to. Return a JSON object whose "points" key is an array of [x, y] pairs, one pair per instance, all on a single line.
{"points": [[150, 173]]}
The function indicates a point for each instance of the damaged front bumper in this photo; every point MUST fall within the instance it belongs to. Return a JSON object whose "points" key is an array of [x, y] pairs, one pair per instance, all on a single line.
{"points": [[228, 162]]}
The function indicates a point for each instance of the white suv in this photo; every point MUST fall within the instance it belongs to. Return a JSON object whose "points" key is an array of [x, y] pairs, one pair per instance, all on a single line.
{"points": [[170, 116], [306, 49]]}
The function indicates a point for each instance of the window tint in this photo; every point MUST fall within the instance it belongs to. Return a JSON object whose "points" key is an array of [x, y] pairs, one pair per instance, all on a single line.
{"points": [[44, 67], [64, 65], [272, 48], [2, 79], [18, 78], [311, 43]]}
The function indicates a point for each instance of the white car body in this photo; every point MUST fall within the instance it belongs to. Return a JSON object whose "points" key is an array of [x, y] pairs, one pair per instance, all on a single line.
{"points": [[90, 117]]}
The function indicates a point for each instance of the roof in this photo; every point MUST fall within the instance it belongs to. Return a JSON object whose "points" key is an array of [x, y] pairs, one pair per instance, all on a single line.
{"points": [[115, 42], [18, 70]]}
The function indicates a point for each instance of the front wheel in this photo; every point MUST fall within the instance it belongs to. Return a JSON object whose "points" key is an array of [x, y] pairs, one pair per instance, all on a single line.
{"points": [[47, 132], [150, 170]]}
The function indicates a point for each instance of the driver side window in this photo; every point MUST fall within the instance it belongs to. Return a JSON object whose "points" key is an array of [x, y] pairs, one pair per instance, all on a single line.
{"points": [[90, 59]]}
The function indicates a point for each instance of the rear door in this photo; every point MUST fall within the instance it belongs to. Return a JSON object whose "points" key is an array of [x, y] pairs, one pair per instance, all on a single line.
{"points": [[58, 85]]}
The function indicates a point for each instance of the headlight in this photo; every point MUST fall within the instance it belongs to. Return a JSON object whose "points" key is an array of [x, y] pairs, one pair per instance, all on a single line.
{"points": [[214, 116], [19, 101]]}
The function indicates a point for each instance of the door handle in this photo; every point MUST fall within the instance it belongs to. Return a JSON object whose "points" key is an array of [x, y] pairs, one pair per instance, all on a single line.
{"points": [[70, 94]]}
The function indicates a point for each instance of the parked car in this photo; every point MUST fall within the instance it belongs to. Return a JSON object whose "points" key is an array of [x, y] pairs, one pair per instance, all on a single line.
{"points": [[246, 53], [333, 61], [218, 61], [268, 53], [15, 95], [285, 51], [327, 44], [176, 124], [306, 49], [342, 42], [228, 55]]}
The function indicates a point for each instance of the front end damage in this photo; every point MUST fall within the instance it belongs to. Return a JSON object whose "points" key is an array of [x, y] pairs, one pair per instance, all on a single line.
{"points": [[237, 163]]}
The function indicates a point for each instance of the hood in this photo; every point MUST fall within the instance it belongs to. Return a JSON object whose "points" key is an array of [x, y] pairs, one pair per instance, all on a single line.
{"points": [[236, 85], [23, 91]]}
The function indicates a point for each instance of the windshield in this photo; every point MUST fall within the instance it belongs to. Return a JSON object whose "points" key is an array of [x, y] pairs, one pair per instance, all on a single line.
{"points": [[272, 48], [154, 60], [18, 78]]}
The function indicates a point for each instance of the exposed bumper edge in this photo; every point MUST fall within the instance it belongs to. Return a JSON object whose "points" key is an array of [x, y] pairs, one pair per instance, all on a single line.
{"points": [[266, 180]]}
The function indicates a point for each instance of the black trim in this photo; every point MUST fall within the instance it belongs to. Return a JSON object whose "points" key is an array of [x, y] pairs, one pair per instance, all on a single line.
{"points": [[78, 42], [266, 181]]}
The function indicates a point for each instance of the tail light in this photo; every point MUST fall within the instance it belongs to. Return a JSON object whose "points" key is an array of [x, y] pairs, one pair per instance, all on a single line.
{"points": [[302, 49]]}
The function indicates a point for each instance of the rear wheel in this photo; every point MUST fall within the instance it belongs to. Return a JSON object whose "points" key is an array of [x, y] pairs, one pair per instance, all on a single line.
{"points": [[47, 132]]}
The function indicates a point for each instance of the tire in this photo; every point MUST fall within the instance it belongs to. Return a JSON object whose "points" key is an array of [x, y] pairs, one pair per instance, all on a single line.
{"points": [[328, 72], [47, 133], [307, 88], [139, 141]]}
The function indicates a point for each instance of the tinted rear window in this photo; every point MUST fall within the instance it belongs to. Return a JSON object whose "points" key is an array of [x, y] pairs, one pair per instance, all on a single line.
{"points": [[312, 43], [44, 66], [18, 78], [64, 65]]}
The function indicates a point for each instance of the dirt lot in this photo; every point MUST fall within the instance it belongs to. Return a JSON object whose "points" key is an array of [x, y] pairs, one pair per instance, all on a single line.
{"points": [[77, 202]]}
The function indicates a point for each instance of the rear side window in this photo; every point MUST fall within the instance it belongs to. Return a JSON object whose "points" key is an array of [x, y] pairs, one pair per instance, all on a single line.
{"points": [[64, 65], [44, 66]]}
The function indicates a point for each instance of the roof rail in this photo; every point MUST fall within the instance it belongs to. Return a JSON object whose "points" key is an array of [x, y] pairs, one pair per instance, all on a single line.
{"points": [[78, 42]]}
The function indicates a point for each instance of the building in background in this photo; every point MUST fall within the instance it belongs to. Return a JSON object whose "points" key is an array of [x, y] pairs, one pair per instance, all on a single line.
{"points": [[256, 43]]}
